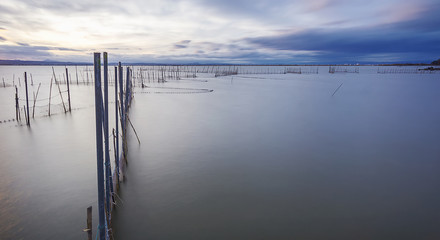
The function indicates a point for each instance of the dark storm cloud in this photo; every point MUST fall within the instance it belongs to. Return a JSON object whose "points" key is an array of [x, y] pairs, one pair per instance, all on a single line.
{"points": [[415, 38], [356, 41]]}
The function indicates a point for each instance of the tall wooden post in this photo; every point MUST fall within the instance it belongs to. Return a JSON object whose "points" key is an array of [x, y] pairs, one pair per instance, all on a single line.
{"points": [[117, 127], [17, 106], [121, 104], [50, 93], [76, 69], [99, 147], [28, 122], [68, 89], [108, 178], [127, 91]]}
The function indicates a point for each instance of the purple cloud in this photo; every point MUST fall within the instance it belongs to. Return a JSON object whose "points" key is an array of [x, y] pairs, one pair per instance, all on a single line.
{"points": [[416, 40]]}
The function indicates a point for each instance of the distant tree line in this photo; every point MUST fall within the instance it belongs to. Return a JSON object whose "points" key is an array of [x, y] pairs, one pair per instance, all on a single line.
{"points": [[436, 62]]}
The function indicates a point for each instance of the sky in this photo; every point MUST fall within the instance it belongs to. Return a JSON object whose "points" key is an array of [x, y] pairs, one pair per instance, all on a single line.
{"points": [[222, 31]]}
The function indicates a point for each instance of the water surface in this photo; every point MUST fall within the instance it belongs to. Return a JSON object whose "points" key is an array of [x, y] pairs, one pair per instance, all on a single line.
{"points": [[263, 156]]}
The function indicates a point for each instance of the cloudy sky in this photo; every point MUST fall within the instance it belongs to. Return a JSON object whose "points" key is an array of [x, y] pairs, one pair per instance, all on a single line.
{"points": [[222, 31]]}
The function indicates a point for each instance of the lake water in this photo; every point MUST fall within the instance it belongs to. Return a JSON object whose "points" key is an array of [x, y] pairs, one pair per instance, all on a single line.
{"points": [[262, 156]]}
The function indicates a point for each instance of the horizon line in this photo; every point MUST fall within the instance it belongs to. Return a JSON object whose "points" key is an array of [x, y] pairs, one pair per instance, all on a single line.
{"points": [[6, 62]]}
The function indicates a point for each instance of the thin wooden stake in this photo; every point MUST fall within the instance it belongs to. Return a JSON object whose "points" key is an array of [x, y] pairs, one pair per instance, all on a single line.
{"points": [[337, 89], [17, 106], [24, 110], [68, 89], [35, 100], [59, 90], [28, 122], [76, 69], [89, 223], [139, 141], [50, 92]]}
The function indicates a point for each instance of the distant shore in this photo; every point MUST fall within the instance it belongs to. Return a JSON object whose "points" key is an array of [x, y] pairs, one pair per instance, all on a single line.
{"points": [[55, 63]]}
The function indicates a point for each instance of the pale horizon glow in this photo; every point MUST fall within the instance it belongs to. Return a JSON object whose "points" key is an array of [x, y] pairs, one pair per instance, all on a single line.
{"points": [[202, 31]]}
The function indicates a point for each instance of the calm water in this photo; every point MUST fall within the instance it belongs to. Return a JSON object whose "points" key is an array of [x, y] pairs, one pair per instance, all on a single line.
{"points": [[260, 157]]}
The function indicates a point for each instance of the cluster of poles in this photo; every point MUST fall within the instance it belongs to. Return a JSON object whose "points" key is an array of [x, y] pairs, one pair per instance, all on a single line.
{"points": [[403, 71], [108, 180], [159, 75], [299, 70], [34, 100], [339, 69]]}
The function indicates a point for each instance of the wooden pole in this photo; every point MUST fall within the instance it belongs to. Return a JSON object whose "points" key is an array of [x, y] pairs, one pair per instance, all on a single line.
{"points": [[87, 74], [99, 147], [89, 223], [28, 122], [121, 102], [131, 124], [142, 79], [68, 89], [17, 106], [50, 92], [108, 177], [116, 159], [127, 89], [24, 110], [35, 100], [76, 69], [117, 128], [124, 136], [337, 89], [33, 107], [59, 90]]}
